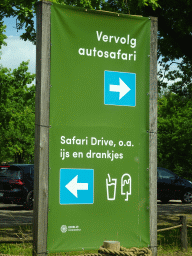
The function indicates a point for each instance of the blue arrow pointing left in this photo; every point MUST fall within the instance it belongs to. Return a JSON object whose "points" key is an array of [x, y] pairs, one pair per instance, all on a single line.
{"points": [[76, 186]]}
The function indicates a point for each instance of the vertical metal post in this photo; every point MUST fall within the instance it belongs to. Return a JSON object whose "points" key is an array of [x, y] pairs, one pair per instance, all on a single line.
{"points": [[153, 137], [40, 208]]}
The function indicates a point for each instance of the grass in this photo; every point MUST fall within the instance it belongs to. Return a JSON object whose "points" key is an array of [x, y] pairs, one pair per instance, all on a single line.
{"points": [[16, 249], [168, 241], [17, 233], [14, 234]]}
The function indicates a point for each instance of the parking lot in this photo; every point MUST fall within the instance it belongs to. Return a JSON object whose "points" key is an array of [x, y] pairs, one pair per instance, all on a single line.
{"points": [[13, 215]]}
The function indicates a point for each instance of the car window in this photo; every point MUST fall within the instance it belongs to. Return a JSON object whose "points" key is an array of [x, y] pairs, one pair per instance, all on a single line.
{"points": [[32, 175], [32, 171], [28, 169], [165, 174], [10, 174]]}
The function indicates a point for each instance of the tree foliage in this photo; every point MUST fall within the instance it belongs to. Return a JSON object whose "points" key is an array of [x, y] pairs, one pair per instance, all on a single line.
{"points": [[25, 10], [177, 79], [2, 36], [174, 19], [175, 27], [174, 44], [17, 107], [175, 133]]}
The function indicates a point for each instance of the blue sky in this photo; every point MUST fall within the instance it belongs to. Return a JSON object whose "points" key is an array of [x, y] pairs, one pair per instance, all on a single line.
{"points": [[17, 50]]}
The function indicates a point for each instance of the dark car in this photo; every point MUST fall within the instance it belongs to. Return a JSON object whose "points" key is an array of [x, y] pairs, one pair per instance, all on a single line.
{"points": [[170, 186], [16, 184]]}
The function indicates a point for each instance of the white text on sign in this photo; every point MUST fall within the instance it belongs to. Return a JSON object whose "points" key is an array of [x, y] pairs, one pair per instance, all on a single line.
{"points": [[89, 153], [127, 40]]}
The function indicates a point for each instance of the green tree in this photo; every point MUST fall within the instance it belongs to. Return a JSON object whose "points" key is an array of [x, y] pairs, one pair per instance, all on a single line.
{"points": [[175, 23], [2, 36], [175, 27], [177, 79], [175, 134], [25, 10], [174, 44], [17, 119]]}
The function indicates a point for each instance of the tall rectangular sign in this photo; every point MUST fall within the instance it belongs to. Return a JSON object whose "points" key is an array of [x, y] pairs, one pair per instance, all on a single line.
{"points": [[99, 139]]}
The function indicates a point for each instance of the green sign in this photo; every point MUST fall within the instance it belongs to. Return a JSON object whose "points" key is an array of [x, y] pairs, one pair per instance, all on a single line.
{"points": [[99, 118]]}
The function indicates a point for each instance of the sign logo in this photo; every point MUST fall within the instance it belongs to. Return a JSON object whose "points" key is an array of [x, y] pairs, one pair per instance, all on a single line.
{"points": [[119, 88], [76, 186], [63, 228]]}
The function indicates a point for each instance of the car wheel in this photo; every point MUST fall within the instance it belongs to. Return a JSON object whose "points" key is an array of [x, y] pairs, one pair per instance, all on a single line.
{"points": [[164, 200], [187, 197], [29, 201]]}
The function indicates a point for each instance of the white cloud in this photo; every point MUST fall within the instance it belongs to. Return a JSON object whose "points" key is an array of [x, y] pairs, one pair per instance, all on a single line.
{"points": [[16, 51]]}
